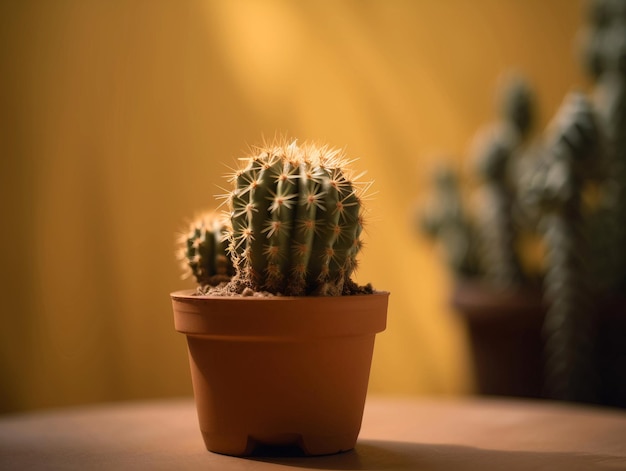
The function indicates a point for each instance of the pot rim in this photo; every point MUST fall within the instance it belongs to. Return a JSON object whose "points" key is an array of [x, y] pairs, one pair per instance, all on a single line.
{"points": [[185, 294], [279, 317]]}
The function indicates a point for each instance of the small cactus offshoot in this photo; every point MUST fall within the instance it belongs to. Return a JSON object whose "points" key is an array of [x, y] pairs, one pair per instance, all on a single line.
{"points": [[203, 251], [296, 220]]}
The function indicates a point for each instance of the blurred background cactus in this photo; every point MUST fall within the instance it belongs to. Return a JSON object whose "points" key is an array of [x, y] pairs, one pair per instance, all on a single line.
{"points": [[566, 186], [500, 148], [204, 251], [557, 187], [605, 60], [296, 220], [447, 221], [482, 240]]}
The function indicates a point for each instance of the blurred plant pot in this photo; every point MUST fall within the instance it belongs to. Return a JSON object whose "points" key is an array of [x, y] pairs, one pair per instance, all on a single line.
{"points": [[280, 371], [505, 334], [611, 352]]}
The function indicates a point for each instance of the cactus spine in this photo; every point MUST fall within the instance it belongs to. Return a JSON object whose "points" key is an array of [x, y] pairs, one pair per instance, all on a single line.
{"points": [[296, 220], [204, 251]]}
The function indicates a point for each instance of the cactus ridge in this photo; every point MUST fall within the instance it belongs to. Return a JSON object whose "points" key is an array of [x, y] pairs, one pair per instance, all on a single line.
{"points": [[296, 219]]}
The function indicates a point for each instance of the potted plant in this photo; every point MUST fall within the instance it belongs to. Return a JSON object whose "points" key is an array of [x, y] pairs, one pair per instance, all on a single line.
{"points": [[280, 353], [562, 336], [495, 293]]}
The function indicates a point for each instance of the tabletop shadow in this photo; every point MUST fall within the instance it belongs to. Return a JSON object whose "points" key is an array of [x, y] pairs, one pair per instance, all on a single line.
{"points": [[393, 455]]}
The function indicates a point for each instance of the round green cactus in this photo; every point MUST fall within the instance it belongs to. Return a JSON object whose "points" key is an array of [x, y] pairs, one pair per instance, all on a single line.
{"points": [[204, 250], [296, 220]]}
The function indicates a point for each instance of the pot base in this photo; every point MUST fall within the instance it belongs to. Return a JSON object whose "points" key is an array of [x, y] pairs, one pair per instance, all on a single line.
{"points": [[277, 444]]}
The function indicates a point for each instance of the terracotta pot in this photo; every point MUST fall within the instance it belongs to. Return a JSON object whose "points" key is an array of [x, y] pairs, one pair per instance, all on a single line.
{"points": [[280, 371], [505, 329], [611, 352], [505, 333]]}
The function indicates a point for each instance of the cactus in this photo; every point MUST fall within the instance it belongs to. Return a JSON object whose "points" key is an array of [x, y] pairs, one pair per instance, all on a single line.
{"points": [[500, 152], [203, 251], [296, 220], [604, 48], [606, 63], [448, 222], [498, 232], [518, 107], [557, 189]]}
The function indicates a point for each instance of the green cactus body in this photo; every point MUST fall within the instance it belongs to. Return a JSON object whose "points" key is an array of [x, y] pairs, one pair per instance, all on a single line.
{"points": [[605, 59], [296, 220], [500, 157], [204, 251], [447, 221], [569, 327]]}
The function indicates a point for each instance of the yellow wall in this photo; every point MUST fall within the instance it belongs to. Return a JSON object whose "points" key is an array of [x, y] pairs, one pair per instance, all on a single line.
{"points": [[118, 118]]}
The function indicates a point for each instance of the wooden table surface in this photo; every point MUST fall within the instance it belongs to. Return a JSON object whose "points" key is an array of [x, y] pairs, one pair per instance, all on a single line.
{"points": [[397, 434]]}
